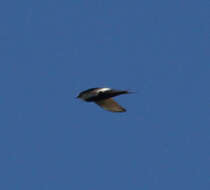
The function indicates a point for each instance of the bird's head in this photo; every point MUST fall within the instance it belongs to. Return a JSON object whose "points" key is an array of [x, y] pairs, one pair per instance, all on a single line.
{"points": [[79, 96]]}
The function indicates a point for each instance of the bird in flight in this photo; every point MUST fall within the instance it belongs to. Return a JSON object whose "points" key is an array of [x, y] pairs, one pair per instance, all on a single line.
{"points": [[103, 98]]}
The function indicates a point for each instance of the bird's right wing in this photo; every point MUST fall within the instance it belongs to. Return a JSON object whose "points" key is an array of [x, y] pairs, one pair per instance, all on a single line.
{"points": [[110, 105]]}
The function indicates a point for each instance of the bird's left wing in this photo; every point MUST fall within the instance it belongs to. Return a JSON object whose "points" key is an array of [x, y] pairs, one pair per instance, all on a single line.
{"points": [[110, 105]]}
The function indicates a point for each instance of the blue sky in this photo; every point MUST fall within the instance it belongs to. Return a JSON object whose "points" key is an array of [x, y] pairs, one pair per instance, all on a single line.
{"points": [[52, 50]]}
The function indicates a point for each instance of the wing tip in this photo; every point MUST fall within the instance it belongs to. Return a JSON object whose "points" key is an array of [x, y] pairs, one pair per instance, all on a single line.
{"points": [[119, 111]]}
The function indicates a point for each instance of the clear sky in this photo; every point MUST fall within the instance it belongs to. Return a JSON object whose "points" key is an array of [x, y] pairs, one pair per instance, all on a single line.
{"points": [[51, 50]]}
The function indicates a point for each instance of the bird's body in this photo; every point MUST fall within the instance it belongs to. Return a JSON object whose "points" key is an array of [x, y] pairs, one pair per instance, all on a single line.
{"points": [[103, 98]]}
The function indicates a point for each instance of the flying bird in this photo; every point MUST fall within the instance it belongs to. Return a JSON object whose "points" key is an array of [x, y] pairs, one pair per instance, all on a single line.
{"points": [[103, 98]]}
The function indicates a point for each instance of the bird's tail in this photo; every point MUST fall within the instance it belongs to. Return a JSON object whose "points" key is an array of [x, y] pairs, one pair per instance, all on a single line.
{"points": [[129, 92]]}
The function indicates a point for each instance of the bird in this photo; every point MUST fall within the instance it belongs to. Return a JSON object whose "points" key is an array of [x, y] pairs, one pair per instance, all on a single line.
{"points": [[103, 98]]}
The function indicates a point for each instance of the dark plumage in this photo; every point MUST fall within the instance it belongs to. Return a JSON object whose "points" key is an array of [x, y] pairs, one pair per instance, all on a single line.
{"points": [[103, 98]]}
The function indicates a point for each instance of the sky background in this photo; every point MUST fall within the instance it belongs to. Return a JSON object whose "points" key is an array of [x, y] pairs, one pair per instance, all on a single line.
{"points": [[51, 50]]}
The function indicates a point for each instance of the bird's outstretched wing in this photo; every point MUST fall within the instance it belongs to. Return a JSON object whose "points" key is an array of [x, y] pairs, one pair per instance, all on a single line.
{"points": [[110, 105]]}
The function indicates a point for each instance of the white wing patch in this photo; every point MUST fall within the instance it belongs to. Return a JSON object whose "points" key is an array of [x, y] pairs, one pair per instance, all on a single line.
{"points": [[103, 89]]}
